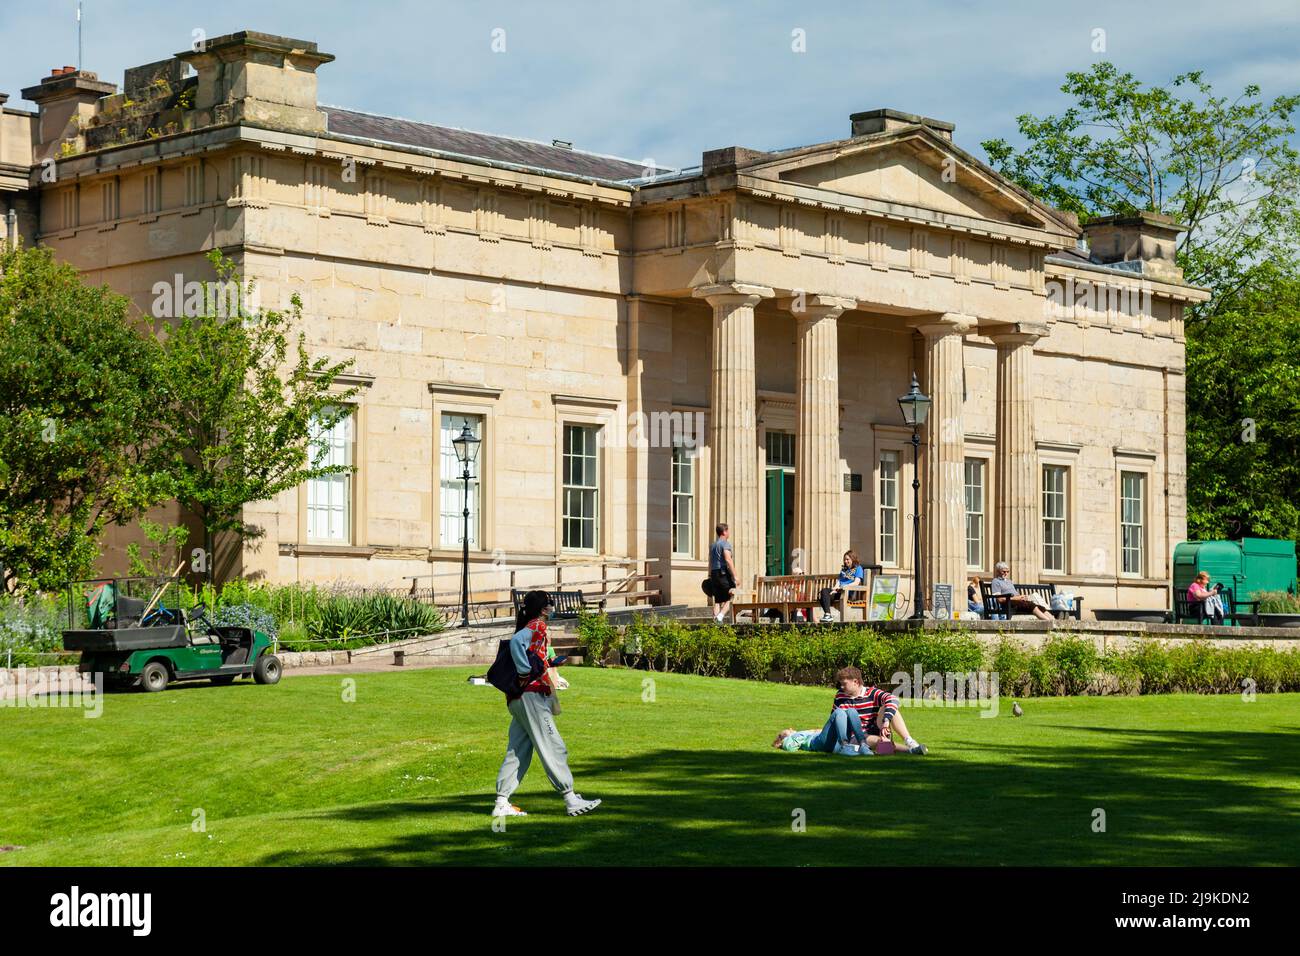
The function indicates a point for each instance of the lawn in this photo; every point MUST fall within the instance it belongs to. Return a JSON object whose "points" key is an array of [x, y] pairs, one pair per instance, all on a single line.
{"points": [[293, 774]]}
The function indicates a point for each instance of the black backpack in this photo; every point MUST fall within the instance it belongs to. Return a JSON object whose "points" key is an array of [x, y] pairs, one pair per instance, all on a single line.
{"points": [[503, 676]]}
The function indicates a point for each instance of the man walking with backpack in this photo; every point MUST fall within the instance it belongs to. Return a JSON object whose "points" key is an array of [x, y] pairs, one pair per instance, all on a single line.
{"points": [[523, 672]]}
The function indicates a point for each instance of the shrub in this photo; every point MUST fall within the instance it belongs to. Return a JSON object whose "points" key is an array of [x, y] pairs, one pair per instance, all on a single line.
{"points": [[1064, 665], [245, 615], [1151, 658], [1123, 671], [31, 631], [756, 655], [1071, 665], [294, 637], [597, 636], [1278, 602], [354, 621], [1012, 661], [1195, 667]]}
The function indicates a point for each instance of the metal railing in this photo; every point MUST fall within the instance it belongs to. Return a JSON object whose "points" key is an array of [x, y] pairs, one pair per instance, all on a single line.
{"points": [[486, 601]]}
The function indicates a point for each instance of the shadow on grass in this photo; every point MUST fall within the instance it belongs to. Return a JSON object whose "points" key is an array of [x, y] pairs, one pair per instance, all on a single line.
{"points": [[1169, 798]]}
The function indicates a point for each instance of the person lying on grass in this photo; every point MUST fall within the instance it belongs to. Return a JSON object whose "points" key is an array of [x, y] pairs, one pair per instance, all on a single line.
{"points": [[841, 735], [878, 711]]}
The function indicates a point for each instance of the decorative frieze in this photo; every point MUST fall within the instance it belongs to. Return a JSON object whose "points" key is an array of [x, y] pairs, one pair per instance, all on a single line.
{"points": [[316, 190], [486, 216], [788, 232], [675, 227], [110, 199], [833, 238], [539, 220], [918, 251], [959, 260], [248, 180], [376, 199], [432, 211], [1001, 275], [589, 230], [876, 246]]}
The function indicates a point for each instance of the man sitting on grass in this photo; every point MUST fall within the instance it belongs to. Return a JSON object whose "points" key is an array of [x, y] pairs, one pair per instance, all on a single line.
{"points": [[878, 711]]}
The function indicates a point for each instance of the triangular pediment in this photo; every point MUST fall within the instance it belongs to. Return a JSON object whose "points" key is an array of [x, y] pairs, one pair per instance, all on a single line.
{"points": [[911, 167]]}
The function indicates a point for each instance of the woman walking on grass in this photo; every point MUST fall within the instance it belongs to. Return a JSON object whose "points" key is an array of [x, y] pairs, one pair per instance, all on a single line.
{"points": [[532, 709]]}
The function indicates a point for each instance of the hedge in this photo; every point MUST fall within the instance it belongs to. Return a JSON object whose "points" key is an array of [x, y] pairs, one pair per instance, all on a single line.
{"points": [[1063, 666]]}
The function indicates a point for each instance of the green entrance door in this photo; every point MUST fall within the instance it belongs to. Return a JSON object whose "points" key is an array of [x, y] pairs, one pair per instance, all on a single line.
{"points": [[780, 519]]}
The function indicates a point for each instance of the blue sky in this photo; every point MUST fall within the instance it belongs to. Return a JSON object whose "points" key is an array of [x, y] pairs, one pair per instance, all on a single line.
{"points": [[669, 79]]}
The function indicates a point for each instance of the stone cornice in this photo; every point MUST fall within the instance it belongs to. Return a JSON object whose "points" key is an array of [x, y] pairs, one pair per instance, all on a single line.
{"points": [[413, 160], [588, 401], [1088, 272], [474, 391], [899, 212]]}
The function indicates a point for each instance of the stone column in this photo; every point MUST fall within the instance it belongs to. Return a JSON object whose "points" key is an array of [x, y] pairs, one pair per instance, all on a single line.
{"points": [[735, 491], [943, 499], [1017, 535], [649, 461], [818, 484]]}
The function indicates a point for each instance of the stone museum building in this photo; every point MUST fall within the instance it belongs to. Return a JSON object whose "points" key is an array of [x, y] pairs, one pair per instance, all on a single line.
{"points": [[644, 352]]}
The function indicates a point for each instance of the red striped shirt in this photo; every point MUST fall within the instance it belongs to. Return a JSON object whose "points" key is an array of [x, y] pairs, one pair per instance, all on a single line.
{"points": [[870, 705], [537, 648]]}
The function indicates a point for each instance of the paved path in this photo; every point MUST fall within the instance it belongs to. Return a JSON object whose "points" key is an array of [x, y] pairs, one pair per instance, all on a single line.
{"points": [[373, 665]]}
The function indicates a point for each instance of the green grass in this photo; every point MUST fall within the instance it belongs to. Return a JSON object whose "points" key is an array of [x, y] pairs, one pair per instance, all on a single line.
{"points": [[293, 775]]}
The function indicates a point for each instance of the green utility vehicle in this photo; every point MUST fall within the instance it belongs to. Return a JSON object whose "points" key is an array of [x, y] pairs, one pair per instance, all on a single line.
{"points": [[149, 643]]}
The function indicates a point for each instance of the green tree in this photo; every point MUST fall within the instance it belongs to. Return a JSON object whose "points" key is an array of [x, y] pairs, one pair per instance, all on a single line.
{"points": [[241, 404], [76, 383], [1223, 167], [161, 560], [1226, 169], [1243, 419]]}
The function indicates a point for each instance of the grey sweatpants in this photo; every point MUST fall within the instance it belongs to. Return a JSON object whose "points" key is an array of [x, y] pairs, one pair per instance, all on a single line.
{"points": [[532, 728]]}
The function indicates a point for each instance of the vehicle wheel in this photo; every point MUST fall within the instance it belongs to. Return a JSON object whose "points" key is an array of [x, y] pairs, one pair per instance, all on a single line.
{"points": [[267, 669], [154, 677], [225, 680]]}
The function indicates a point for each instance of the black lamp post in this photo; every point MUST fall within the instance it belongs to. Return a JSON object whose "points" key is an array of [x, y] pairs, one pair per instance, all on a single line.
{"points": [[466, 446], [916, 409]]}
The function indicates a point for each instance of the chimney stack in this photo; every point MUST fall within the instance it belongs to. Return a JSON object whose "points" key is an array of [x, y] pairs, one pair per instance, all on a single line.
{"points": [[259, 78], [65, 99], [1145, 243], [886, 121]]}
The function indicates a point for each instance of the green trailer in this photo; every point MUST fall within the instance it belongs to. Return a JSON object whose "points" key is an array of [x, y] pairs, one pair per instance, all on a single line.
{"points": [[1248, 566]]}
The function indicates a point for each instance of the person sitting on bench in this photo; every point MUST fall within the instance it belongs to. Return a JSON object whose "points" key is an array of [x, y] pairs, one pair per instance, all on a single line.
{"points": [[850, 574], [1199, 592], [1002, 586]]}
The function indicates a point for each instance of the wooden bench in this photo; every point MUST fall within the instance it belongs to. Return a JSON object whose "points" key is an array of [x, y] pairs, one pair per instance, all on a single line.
{"points": [[784, 593], [998, 603], [568, 604], [1187, 611], [858, 596]]}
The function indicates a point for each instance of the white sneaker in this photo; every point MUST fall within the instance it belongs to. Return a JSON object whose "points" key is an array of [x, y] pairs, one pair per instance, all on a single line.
{"points": [[828, 618], [865, 751], [507, 809], [575, 805], [846, 750]]}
